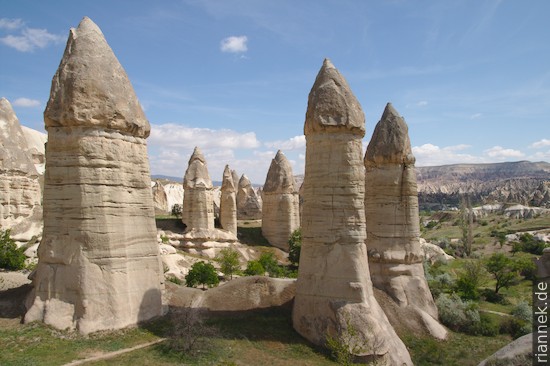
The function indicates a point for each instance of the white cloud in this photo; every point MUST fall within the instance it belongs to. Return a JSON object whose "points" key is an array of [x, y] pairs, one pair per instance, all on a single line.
{"points": [[476, 115], [498, 152], [175, 135], [234, 44], [26, 103], [30, 39], [293, 143], [431, 155], [10, 24], [422, 103], [540, 144]]}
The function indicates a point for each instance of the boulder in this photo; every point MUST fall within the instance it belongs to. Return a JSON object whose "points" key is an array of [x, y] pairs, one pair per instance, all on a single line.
{"points": [[391, 210], [517, 353], [198, 205], [99, 265], [334, 293], [281, 206]]}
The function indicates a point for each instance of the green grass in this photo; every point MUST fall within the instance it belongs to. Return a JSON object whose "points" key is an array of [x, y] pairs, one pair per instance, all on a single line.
{"points": [[458, 349], [37, 344], [257, 338]]}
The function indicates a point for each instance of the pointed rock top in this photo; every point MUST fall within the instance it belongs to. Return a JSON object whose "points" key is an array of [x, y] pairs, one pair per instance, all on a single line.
{"points": [[244, 181], [227, 182], [196, 175], [332, 107], [91, 89], [279, 177], [14, 154], [197, 155], [390, 141]]}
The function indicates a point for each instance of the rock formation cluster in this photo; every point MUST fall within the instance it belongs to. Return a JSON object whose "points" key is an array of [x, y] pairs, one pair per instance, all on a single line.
{"points": [[20, 192], [391, 211], [334, 293], [99, 265], [249, 204], [228, 202], [198, 207], [281, 203]]}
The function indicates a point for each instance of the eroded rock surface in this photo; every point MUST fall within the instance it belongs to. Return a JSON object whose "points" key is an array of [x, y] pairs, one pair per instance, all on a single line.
{"points": [[198, 206], [334, 293], [391, 206], [228, 202], [249, 204], [281, 203], [99, 265], [20, 192]]}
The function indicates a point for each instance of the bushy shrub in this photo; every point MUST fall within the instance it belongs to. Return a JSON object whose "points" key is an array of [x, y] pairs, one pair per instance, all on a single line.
{"points": [[515, 327], [486, 326], [270, 264], [522, 311], [469, 279], [294, 247], [457, 314], [254, 268], [11, 257], [529, 244]]}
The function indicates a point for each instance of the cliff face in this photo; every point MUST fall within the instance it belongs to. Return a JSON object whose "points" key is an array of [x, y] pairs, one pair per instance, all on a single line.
{"points": [[520, 182]]}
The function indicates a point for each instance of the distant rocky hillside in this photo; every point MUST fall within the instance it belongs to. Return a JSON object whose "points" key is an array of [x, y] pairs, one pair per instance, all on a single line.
{"points": [[520, 182]]}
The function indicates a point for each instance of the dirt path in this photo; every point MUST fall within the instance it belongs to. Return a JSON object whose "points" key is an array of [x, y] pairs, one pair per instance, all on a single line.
{"points": [[494, 312], [113, 354]]}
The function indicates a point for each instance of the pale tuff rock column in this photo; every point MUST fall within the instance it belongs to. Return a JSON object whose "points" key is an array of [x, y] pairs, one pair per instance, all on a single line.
{"points": [[20, 192], [391, 206], [198, 201], [99, 265], [249, 205], [228, 202], [333, 290], [280, 208]]}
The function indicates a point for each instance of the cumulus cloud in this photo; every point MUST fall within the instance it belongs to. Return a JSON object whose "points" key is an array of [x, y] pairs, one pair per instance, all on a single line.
{"points": [[293, 143], [431, 155], [175, 135], [234, 44], [10, 24], [500, 153], [26, 103], [540, 144], [29, 39]]}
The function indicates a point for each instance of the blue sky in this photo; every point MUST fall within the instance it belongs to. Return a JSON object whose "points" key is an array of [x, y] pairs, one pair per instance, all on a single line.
{"points": [[471, 78]]}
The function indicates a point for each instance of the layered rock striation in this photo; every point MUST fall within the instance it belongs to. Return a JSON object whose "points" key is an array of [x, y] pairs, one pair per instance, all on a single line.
{"points": [[281, 203], [334, 293], [99, 265], [391, 210], [20, 192], [228, 202], [249, 204], [198, 206]]}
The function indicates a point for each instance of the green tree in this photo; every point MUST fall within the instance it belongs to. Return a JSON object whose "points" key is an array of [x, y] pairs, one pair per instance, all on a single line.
{"points": [[11, 257], [202, 273], [503, 269], [470, 279], [270, 264], [228, 258], [294, 247], [176, 210], [254, 268], [466, 225]]}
